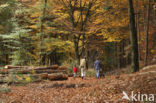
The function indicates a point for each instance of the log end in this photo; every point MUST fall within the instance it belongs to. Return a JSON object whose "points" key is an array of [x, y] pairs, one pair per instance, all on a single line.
{"points": [[44, 75]]}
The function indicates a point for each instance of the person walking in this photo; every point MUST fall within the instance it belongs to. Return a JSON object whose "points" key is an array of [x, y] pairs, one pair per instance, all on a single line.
{"points": [[83, 66], [75, 70], [97, 66]]}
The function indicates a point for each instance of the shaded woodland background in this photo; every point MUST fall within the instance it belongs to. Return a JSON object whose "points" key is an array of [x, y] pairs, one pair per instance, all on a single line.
{"points": [[41, 40], [47, 32]]}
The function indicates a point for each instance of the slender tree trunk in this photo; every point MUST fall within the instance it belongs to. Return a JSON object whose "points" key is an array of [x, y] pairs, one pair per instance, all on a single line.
{"points": [[129, 54], [118, 55], [133, 37], [115, 54], [41, 31], [146, 33], [76, 47], [138, 29], [123, 53]]}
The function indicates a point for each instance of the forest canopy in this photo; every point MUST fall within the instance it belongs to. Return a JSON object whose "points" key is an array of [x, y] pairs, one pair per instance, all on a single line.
{"points": [[46, 32]]}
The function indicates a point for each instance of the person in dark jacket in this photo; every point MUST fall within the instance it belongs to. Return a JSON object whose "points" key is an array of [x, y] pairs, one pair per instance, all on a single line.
{"points": [[97, 66]]}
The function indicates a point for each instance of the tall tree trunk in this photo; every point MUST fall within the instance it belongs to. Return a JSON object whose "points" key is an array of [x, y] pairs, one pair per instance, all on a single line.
{"points": [[123, 53], [76, 47], [41, 30], [133, 37], [146, 33], [118, 55], [138, 29]]}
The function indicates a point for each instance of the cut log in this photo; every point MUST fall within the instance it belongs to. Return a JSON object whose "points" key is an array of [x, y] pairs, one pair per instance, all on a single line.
{"points": [[53, 72], [13, 67], [53, 67], [2, 76], [37, 77], [4, 71], [44, 75], [29, 71], [62, 68], [57, 77], [40, 71], [2, 81]]}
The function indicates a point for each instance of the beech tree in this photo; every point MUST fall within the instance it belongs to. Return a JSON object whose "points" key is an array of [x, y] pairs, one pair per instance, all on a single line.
{"points": [[133, 37], [146, 32]]}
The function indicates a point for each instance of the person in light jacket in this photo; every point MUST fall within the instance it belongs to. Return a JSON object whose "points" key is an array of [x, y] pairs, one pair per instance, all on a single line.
{"points": [[83, 66]]}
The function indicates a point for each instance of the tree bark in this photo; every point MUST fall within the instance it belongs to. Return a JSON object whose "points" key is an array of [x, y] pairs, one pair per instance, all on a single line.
{"points": [[76, 47], [146, 33], [138, 29], [41, 31], [57, 76], [133, 37]]}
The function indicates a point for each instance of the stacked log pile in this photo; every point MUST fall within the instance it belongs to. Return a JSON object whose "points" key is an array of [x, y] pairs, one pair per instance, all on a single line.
{"points": [[53, 72]]}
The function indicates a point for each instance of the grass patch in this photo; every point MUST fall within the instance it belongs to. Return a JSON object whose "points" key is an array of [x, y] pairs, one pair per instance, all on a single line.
{"points": [[91, 73], [19, 79], [5, 89]]}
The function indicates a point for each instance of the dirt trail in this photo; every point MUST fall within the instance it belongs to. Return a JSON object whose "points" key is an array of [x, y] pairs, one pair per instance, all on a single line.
{"points": [[70, 91], [90, 90]]}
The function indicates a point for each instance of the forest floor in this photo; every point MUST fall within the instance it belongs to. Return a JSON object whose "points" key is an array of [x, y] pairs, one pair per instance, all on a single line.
{"points": [[90, 90]]}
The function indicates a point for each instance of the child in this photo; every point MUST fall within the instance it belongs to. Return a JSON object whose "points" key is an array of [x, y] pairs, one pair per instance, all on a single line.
{"points": [[75, 70]]}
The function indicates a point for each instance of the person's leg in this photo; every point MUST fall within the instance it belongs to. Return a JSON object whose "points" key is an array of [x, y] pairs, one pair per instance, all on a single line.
{"points": [[74, 75], [97, 73], [82, 72]]}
